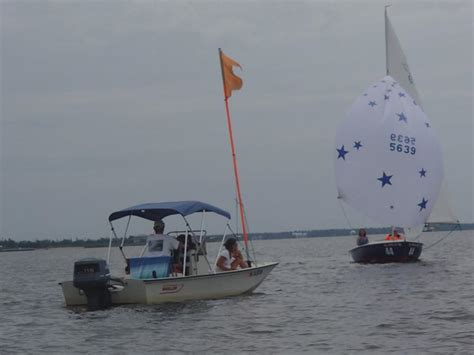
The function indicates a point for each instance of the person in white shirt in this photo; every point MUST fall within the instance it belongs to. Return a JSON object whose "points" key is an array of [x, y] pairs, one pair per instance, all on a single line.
{"points": [[230, 258], [159, 244]]}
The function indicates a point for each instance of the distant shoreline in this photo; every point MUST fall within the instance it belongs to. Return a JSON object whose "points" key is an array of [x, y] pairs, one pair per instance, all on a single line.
{"points": [[7, 245], [9, 250]]}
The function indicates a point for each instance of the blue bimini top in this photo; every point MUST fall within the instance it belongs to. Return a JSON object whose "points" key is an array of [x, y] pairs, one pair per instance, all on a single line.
{"points": [[160, 210]]}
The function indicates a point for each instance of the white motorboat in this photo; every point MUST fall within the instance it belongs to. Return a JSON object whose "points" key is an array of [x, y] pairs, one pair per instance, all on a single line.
{"points": [[151, 280], [148, 280]]}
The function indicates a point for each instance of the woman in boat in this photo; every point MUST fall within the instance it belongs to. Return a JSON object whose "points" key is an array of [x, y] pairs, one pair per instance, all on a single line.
{"points": [[230, 258], [362, 238]]}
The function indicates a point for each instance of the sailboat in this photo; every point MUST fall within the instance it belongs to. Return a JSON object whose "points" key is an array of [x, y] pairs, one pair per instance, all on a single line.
{"points": [[389, 162]]}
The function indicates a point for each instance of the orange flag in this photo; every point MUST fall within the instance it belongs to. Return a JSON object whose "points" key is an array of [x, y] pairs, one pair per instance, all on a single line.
{"points": [[231, 81]]}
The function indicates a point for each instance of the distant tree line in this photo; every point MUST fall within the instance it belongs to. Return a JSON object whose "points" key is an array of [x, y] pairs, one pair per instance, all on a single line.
{"points": [[139, 240], [64, 243]]}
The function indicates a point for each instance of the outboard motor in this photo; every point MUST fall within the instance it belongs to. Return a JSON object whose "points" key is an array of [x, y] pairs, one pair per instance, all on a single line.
{"points": [[92, 276]]}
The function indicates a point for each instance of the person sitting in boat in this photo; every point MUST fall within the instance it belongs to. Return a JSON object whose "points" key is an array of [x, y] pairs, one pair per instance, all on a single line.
{"points": [[362, 238], [394, 236], [178, 255], [230, 258], [182, 239], [159, 244]]}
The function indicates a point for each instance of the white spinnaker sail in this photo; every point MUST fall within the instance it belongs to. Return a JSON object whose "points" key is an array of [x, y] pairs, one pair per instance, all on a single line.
{"points": [[388, 158], [397, 68]]}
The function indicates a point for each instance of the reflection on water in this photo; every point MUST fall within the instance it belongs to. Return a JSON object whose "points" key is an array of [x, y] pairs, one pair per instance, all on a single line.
{"points": [[316, 300]]}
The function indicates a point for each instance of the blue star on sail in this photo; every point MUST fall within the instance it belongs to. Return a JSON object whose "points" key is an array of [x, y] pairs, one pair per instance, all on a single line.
{"points": [[422, 172], [342, 153], [385, 179], [357, 145], [422, 204], [401, 94], [372, 103], [402, 117], [386, 97]]}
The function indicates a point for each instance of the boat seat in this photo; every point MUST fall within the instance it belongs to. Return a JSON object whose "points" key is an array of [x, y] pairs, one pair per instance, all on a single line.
{"points": [[150, 267]]}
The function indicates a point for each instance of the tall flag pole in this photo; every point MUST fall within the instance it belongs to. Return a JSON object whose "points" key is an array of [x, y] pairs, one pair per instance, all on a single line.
{"points": [[233, 82]]}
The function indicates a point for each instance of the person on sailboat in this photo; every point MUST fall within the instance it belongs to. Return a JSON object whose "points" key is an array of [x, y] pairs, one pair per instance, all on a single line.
{"points": [[230, 258], [362, 237], [394, 236]]}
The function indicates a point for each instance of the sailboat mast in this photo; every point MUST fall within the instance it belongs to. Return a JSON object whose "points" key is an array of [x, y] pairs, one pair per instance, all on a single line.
{"points": [[386, 39]]}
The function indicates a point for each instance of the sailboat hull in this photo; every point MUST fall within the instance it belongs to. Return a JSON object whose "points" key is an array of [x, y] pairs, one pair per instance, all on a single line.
{"points": [[387, 252]]}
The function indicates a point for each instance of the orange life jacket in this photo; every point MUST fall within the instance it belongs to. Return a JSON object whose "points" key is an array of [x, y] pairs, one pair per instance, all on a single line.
{"points": [[394, 237]]}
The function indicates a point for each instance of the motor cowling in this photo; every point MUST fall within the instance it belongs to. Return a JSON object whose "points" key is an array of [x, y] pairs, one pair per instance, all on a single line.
{"points": [[92, 276]]}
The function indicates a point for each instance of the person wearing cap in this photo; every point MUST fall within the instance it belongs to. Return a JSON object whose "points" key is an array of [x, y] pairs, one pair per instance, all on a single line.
{"points": [[159, 244]]}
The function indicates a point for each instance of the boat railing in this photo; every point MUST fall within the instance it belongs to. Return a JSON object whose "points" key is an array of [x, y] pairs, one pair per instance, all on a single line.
{"points": [[192, 232]]}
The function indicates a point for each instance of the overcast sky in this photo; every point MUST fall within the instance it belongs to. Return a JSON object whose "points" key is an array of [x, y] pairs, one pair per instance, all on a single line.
{"points": [[107, 104]]}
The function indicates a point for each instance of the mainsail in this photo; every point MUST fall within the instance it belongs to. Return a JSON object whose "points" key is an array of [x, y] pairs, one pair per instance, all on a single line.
{"points": [[442, 211], [397, 64], [397, 68]]}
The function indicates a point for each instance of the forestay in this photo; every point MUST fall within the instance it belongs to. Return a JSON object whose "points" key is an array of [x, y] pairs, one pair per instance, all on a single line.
{"points": [[388, 159]]}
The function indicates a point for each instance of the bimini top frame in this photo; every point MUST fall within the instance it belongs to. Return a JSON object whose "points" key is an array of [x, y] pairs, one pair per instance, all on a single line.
{"points": [[156, 211], [159, 210]]}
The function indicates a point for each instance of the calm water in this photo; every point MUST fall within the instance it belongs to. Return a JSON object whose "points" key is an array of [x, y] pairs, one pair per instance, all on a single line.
{"points": [[315, 301]]}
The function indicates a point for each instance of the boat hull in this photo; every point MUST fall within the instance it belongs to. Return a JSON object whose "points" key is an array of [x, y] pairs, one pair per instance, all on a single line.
{"points": [[387, 252], [178, 289]]}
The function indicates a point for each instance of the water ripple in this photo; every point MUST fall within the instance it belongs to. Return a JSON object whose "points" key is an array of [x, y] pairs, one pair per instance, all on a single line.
{"points": [[315, 301]]}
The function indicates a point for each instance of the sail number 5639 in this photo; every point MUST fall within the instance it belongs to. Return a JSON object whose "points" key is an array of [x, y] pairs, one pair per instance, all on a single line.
{"points": [[402, 144]]}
